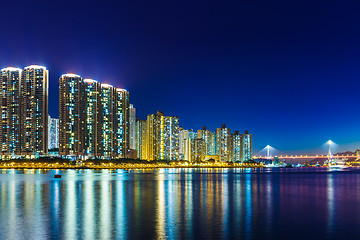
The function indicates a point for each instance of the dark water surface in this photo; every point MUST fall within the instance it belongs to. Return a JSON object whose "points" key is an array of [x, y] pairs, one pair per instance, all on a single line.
{"points": [[180, 204]]}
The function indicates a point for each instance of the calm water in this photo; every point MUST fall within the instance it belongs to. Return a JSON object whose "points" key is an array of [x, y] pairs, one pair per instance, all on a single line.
{"points": [[180, 204]]}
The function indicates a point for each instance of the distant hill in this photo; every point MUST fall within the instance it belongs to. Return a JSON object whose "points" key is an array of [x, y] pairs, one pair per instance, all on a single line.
{"points": [[345, 153]]}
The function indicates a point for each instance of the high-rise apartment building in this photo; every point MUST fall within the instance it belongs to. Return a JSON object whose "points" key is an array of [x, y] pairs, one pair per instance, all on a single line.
{"points": [[107, 113], [141, 138], [122, 123], [223, 143], [93, 123], [94, 119], [210, 140], [236, 147], [24, 111], [53, 133], [186, 144], [198, 150], [10, 129], [246, 146], [71, 115], [34, 109], [132, 126], [162, 140]]}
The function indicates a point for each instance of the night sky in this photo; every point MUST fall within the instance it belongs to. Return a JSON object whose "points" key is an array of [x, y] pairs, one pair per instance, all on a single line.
{"points": [[287, 71]]}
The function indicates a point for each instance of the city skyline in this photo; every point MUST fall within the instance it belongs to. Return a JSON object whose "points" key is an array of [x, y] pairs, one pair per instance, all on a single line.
{"points": [[132, 128], [97, 121], [179, 119], [283, 70]]}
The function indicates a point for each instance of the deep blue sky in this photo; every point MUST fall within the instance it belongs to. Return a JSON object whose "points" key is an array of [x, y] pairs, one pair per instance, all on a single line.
{"points": [[287, 71]]}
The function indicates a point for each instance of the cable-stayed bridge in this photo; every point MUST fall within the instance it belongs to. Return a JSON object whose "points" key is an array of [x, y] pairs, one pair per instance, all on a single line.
{"points": [[304, 156], [269, 153]]}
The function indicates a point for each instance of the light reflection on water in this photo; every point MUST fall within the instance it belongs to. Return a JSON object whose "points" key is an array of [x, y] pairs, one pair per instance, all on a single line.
{"points": [[180, 203]]}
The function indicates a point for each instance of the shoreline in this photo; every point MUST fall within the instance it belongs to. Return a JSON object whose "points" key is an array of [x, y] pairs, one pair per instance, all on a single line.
{"points": [[120, 167]]}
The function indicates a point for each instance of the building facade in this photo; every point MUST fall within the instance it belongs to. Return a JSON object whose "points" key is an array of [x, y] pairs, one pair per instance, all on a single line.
{"points": [[162, 138], [141, 131], [122, 123], [94, 119], [10, 131], [53, 133], [34, 110], [246, 146], [186, 138], [132, 126], [210, 140], [236, 147], [223, 143], [198, 150], [71, 115], [24, 111], [93, 123]]}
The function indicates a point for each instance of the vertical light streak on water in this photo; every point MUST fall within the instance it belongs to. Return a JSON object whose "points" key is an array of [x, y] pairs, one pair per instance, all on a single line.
{"points": [[248, 205], [70, 209], [3, 201], [137, 201], [268, 204], [29, 205], [189, 205], [38, 230], [160, 206], [121, 213], [208, 198], [15, 227], [172, 207], [88, 207], [225, 203], [105, 215], [330, 204], [237, 198], [55, 206]]}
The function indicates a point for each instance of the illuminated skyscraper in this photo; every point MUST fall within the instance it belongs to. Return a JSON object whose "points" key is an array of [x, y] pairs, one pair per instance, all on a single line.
{"points": [[162, 140], [186, 144], [71, 115], [24, 111], [122, 123], [141, 138], [183, 135], [93, 121], [236, 147], [107, 99], [132, 126], [10, 129], [210, 140], [94, 118], [53, 133], [223, 143], [246, 146], [34, 110], [198, 148]]}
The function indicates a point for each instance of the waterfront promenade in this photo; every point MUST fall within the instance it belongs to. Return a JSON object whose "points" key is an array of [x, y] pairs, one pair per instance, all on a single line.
{"points": [[121, 165]]}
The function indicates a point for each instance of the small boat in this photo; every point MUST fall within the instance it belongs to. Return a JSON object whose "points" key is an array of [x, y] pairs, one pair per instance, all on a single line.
{"points": [[337, 164], [272, 165], [57, 176]]}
